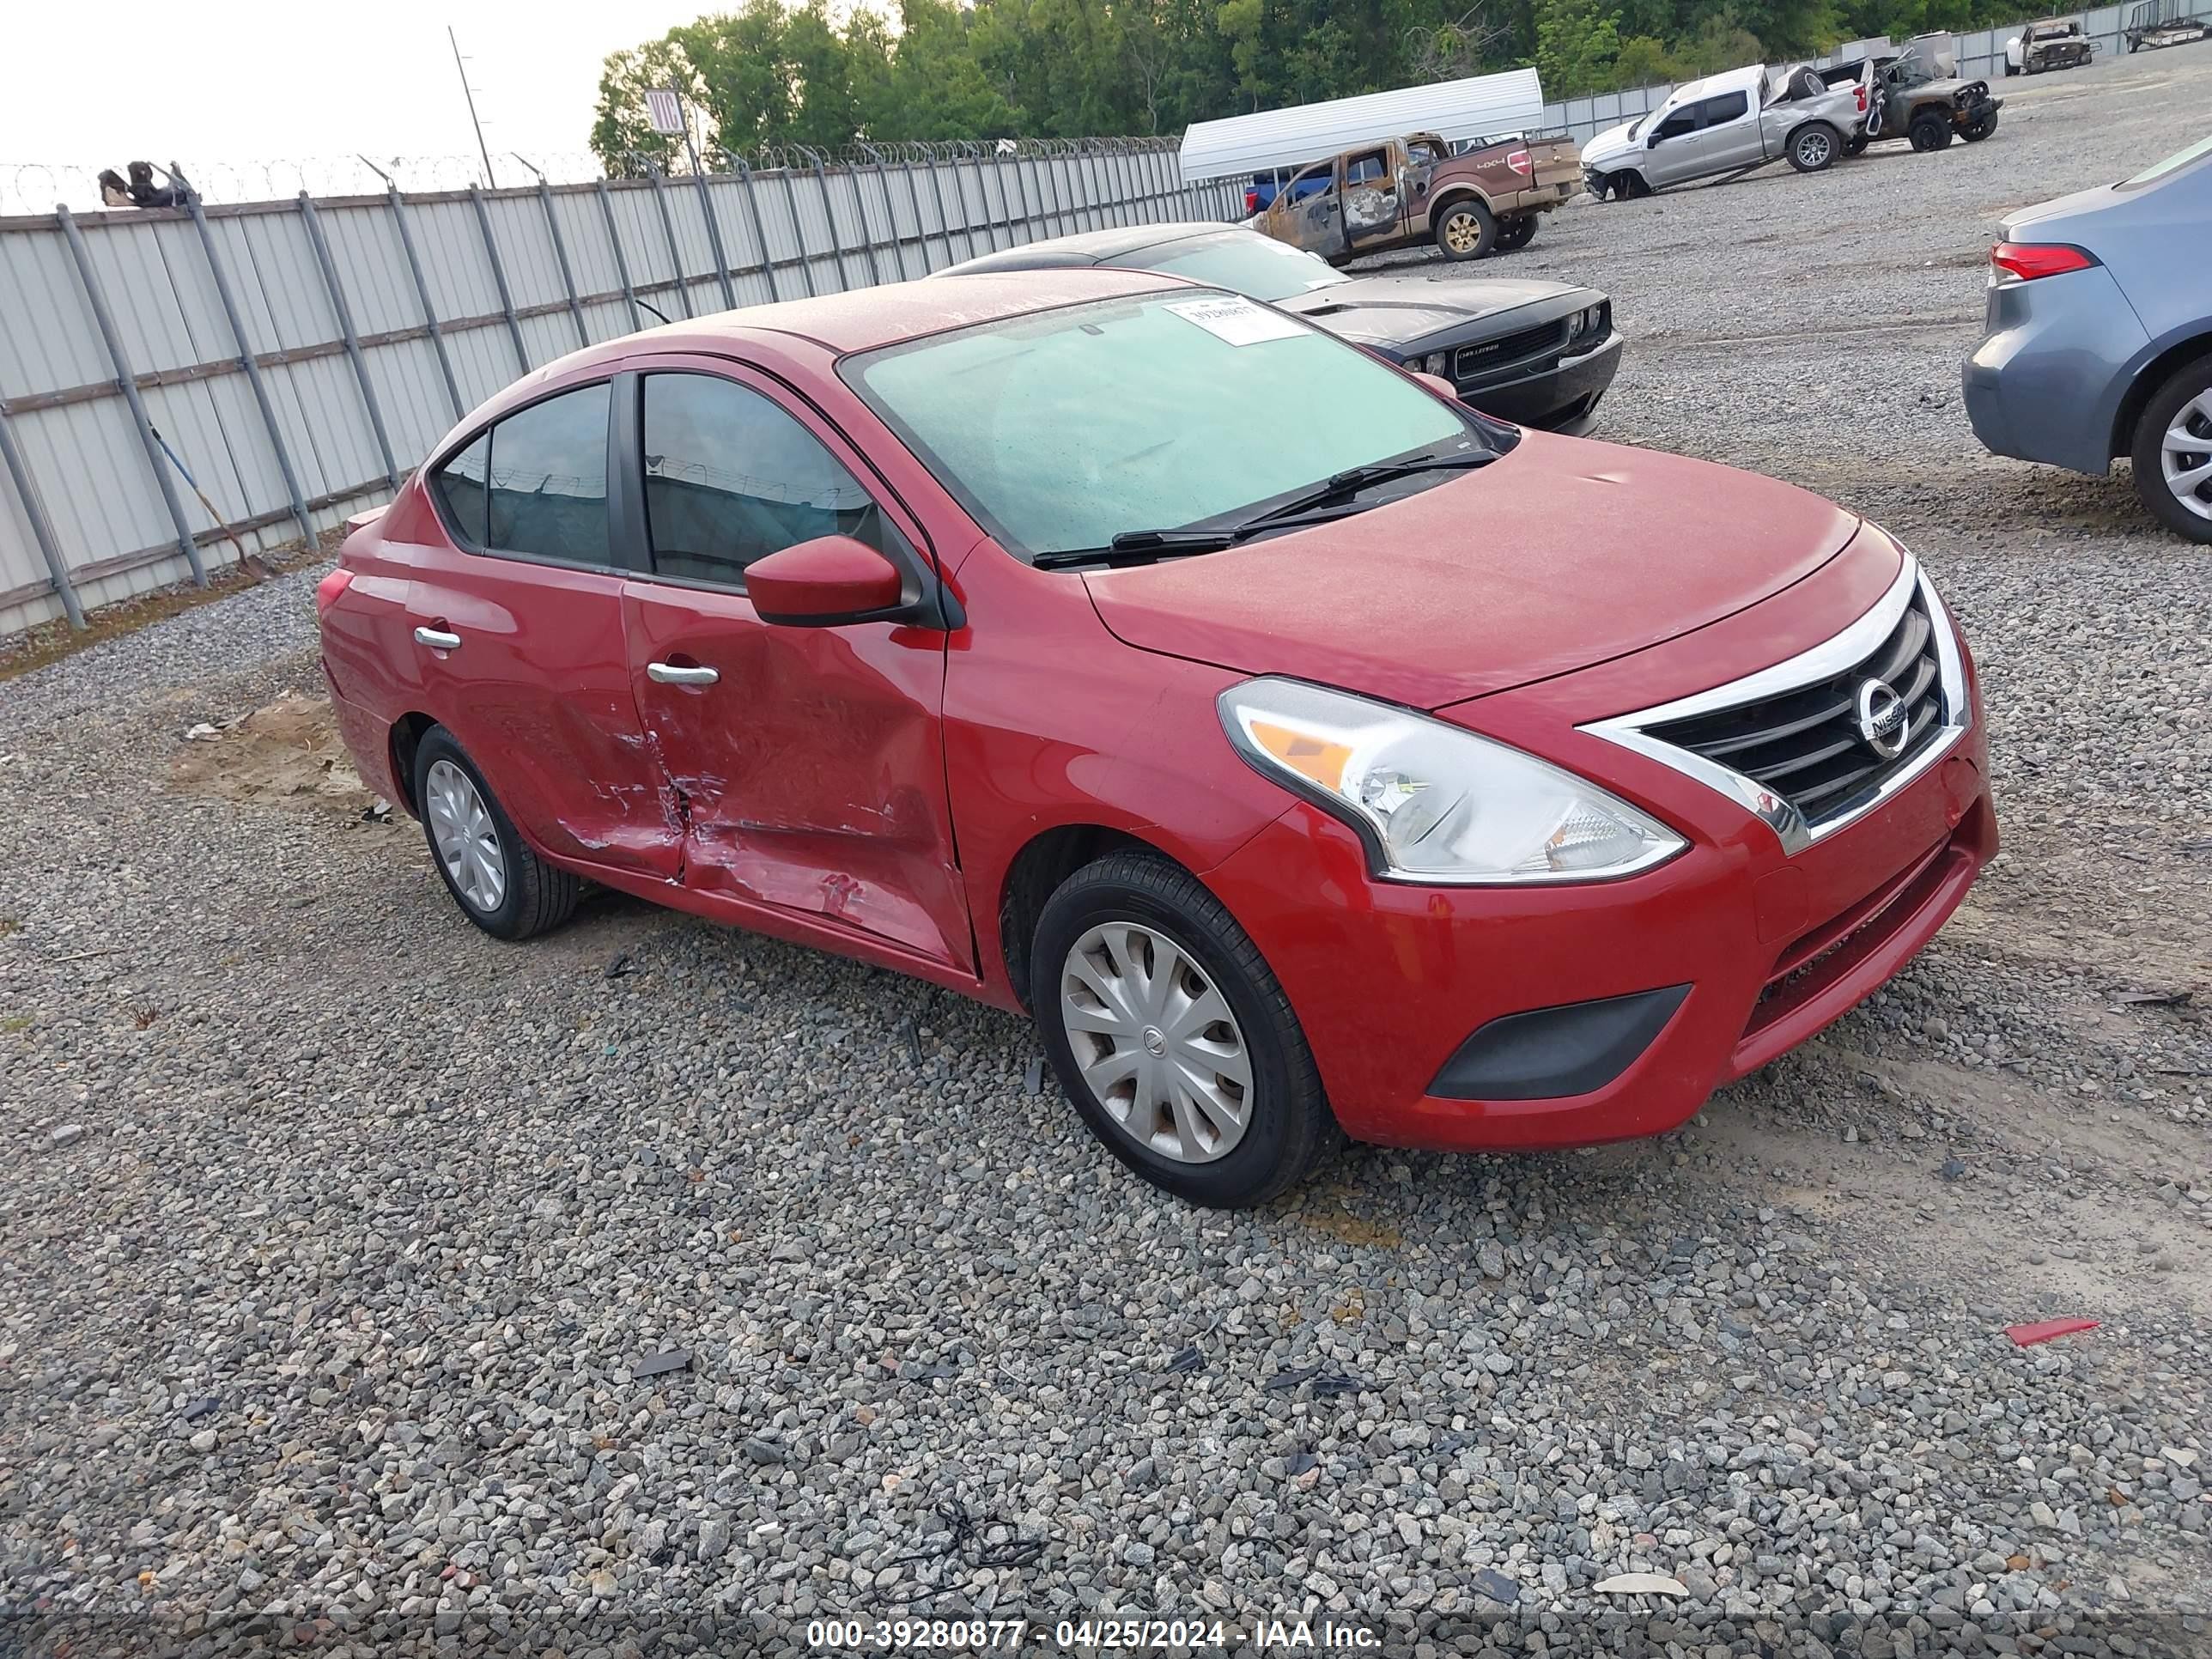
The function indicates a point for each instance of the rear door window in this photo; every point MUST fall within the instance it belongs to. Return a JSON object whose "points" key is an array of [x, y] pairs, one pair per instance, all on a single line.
{"points": [[460, 487], [1714, 111], [548, 480]]}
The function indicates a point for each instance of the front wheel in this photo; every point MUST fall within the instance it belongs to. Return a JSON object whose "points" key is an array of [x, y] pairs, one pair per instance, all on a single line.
{"points": [[1173, 1038], [1855, 145], [500, 884], [1813, 147], [2172, 452], [1465, 231], [1930, 132], [1517, 231], [1974, 132]]}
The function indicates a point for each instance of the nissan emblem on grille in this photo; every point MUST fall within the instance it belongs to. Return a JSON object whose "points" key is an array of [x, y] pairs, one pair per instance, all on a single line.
{"points": [[1882, 718]]}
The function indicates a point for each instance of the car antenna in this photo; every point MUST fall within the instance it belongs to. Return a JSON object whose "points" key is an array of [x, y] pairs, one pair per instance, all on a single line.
{"points": [[648, 305]]}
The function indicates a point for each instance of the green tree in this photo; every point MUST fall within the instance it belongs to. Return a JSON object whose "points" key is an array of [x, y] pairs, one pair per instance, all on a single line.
{"points": [[1577, 44]]}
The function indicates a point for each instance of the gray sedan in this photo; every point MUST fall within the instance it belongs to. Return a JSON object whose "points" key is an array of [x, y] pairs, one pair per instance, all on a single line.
{"points": [[2099, 340]]}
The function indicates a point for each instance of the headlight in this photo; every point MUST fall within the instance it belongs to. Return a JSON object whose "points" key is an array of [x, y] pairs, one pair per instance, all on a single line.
{"points": [[1436, 362], [1574, 324], [1435, 804]]}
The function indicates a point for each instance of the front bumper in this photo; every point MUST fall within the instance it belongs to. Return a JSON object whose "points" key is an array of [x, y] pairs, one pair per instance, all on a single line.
{"points": [[1393, 983], [2045, 383], [1556, 393]]}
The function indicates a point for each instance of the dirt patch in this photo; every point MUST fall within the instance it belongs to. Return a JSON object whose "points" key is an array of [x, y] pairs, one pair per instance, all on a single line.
{"points": [[289, 751]]}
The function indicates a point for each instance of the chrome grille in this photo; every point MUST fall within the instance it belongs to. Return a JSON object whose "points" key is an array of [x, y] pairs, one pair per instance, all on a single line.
{"points": [[1805, 744], [1484, 356]]}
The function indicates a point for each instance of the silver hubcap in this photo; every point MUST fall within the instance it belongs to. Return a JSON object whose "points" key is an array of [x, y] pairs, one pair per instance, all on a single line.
{"points": [[1157, 1043], [468, 841], [1813, 147], [2186, 455]]}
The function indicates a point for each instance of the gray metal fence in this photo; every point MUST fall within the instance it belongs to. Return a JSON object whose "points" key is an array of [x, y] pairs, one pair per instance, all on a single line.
{"points": [[1981, 56], [297, 358]]}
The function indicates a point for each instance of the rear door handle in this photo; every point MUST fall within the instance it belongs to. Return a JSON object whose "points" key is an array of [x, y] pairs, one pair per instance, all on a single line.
{"points": [[438, 639], [668, 673]]}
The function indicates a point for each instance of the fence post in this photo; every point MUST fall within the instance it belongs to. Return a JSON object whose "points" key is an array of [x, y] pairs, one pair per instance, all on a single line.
{"points": [[245, 359], [944, 219], [715, 236], [561, 254], [499, 278], [429, 310], [1056, 215], [867, 235], [760, 225], [829, 214], [799, 233], [668, 226], [621, 259], [35, 510], [344, 314], [127, 382]]}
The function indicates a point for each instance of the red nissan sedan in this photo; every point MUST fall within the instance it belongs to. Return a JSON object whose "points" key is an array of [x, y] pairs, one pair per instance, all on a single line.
{"points": [[1309, 754]]}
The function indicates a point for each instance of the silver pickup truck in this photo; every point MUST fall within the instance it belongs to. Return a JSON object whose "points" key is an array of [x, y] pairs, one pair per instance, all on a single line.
{"points": [[1731, 123]]}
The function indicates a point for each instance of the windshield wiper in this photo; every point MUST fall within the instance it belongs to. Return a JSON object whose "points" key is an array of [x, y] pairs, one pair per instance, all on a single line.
{"points": [[1343, 485], [1145, 546]]}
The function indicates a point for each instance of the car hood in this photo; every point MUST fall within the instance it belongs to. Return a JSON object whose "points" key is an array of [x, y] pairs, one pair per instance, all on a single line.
{"points": [[1608, 146], [1387, 310], [1561, 554]]}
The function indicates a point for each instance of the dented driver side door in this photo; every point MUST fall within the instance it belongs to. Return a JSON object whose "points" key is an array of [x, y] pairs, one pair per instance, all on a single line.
{"points": [[807, 764]]}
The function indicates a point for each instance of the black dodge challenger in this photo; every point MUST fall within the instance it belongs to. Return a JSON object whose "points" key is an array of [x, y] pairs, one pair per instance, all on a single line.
{"points": [[1536, 353]]}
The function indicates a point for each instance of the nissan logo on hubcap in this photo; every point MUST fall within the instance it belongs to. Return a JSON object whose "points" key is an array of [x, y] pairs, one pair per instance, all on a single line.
{"points": [[1881, 718]]}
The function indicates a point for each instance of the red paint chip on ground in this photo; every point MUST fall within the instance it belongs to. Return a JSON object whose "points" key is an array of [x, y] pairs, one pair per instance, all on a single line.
{"points": [[2028, 1335]]}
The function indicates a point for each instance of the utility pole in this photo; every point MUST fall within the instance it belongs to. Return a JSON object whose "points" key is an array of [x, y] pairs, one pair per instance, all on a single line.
{"points": [[469, 93]]}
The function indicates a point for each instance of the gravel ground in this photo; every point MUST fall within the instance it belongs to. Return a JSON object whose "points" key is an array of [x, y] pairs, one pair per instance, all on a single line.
{"points": [[337, 1237]]}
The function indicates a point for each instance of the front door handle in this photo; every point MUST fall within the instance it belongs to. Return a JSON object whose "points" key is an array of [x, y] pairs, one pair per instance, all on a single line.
{"points": [[669, 674], [438, 639]]}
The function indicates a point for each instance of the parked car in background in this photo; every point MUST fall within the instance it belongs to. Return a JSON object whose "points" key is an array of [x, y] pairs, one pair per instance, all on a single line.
{"points": [[1730, 123], [1918, 94], [1308, 753], [2100, 340], [1397, 193], [2053, 43], [1534, 352]]}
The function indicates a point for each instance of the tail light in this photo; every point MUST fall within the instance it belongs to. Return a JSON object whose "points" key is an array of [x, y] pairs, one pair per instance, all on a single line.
{"points": [[1519, 161], [1861, 90], [2025, 262], [328, 589], [1251, 201]]}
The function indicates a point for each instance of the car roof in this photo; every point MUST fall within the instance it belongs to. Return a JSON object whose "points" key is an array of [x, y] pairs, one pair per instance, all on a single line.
{"points": [[863, 319], [1088, 247]]}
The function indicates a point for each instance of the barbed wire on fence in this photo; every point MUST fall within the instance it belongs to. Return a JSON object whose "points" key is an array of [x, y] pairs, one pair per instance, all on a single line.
{"points": [[36, 187]]}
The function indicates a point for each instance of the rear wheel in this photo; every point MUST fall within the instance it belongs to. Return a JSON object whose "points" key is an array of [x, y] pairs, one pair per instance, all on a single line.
{"points": [[1812, 147], [2172, 452], [1929, 131], [1172, 1037], [500, 884], [1465, 230], [1517, 231], [1855, 145]]}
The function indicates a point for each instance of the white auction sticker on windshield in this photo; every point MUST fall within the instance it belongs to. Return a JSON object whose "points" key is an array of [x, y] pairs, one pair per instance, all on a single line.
{"points": [[1239, 321]]}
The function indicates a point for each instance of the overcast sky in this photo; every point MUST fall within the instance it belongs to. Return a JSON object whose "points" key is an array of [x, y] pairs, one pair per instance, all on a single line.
{"points": [[252, 80]]}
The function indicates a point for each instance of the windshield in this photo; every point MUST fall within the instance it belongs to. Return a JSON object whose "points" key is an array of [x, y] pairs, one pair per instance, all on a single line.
{"points": [[2173, 163], [1257, 266], [1061, 429]]}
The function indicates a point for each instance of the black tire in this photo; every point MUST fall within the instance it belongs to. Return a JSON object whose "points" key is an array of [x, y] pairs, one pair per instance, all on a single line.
{"points": [[1929, 131], [1974, 132], [2190, 381], [1290, 1129], [1813, 147], [2011, 69], [1517, 231], [1467, 222], [537, 897], [1855, 145]]}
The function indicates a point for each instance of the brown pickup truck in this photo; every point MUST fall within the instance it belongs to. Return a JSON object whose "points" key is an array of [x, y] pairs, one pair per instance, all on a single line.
{"points": [[1410, 189]]}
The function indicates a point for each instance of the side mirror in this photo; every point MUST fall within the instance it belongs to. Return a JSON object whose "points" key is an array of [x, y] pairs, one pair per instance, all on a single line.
{"points": [[824, 583], [1652, 143], [1437, 383]]}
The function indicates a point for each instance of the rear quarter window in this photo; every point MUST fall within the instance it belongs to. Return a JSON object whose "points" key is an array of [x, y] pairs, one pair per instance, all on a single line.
{"points": [[460, 487]]}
